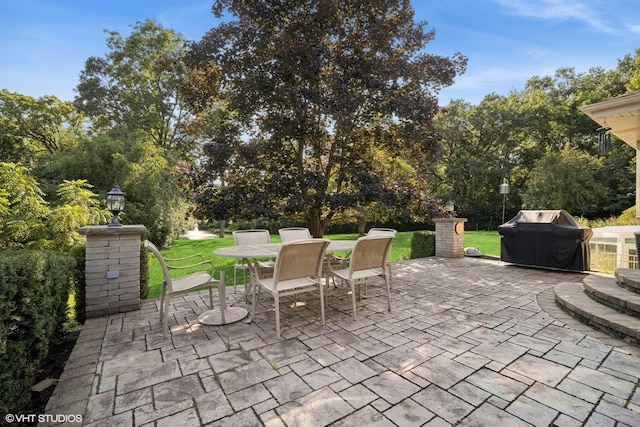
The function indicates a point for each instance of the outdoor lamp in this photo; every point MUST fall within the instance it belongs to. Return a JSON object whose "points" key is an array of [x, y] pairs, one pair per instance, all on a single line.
{"points": [[115, 204], [504, 190], [448, 207]]}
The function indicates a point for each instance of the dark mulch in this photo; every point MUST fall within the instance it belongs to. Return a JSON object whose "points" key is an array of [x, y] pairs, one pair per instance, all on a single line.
{"points": [[52, 368]]}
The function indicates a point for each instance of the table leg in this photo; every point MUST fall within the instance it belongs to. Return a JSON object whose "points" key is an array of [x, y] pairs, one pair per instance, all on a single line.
{"points": [[222, 315]]}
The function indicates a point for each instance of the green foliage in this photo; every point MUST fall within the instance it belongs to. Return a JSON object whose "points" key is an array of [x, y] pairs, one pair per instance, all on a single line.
{"points": [[144, 173], [22, 208], [135, 87], [628, 217], [506, 137], [79, 282], [30, 126], [315, 92], [423, 244], [564, 180], [144, 272], [79, 206], [33, 307]]}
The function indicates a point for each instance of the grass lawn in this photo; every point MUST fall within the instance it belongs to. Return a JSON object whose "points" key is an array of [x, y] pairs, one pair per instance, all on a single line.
{"points": [[487, 241]]}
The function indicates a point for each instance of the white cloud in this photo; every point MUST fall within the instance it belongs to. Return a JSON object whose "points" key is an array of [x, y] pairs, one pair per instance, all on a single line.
{"points": [[586, 12]]}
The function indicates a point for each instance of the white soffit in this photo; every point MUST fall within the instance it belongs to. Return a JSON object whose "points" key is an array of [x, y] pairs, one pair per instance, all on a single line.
{"points": [[621, 114]]}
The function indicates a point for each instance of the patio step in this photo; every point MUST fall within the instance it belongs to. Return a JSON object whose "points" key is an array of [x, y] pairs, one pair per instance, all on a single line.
{"points": [[629, 279], [608, 291], [572, 297]]}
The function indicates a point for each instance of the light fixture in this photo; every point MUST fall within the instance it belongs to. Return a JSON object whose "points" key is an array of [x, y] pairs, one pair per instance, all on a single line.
{"points": [[604, 139], [504, 190], [448, 207], [115, 204]]}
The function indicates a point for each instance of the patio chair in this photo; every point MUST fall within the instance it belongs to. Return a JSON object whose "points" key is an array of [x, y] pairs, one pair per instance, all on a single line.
{"points": [[384, 232], [291, 234], [250, 237], [368, 263], [298, 269], [201, 279]]}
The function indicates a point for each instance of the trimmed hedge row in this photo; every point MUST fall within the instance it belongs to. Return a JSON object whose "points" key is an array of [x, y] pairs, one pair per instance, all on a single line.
{"points": [[34, 291], [423, 244]]}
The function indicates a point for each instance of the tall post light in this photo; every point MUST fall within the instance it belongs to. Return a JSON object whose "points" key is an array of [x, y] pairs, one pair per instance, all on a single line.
{"points": [[448, 208], [115, 204], [504, 190]]}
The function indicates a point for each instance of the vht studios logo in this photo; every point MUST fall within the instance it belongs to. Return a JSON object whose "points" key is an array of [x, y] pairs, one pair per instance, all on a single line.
{"points": [[42, 418]]}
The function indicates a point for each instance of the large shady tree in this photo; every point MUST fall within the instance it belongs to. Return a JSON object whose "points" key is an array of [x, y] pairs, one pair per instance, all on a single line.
{"points": [[310, 93]]}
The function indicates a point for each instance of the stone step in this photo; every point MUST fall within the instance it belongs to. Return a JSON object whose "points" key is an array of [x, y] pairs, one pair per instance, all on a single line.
{"points": [[573, 299], [629, 279], [607, 291]]}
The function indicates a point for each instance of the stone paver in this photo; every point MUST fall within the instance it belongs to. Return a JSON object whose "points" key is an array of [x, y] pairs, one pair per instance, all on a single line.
{"points": [[469, 341]]}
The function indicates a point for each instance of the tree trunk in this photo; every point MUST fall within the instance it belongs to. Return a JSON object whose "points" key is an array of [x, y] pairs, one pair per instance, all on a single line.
{"points": [[222, 224], [316, 224], [361, 227]]}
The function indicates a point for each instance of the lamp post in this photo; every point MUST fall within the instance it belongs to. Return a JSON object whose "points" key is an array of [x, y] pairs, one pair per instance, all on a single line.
{"points": [[448, 208], [115, 204], [504, 190]]}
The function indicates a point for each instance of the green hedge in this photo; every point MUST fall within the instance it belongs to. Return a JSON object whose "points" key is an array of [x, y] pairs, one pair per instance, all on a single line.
{"points": [[79, 253], [144, 272], [423, 244], [34, 291]]}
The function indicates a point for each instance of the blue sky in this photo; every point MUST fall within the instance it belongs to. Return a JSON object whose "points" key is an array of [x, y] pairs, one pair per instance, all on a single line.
{"points": [[44, 43]]}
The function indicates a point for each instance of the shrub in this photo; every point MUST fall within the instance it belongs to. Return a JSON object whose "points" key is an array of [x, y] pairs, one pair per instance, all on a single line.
{"points": [[144, 272], [79, 253], [423, 244], [34, 290]]}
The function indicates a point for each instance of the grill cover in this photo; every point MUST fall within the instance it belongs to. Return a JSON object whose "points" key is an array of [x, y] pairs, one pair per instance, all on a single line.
{"points": [[545, 238]]}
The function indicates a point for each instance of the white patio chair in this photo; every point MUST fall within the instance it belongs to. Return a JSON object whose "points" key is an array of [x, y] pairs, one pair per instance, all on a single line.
{"points": [[298, 269], [249, 237], [367, 264], [384, 232], [199, 280], [291, 234]]}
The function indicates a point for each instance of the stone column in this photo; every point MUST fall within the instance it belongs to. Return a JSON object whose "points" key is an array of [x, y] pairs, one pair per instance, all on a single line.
{"points": [[112, 269], [450, 237]]}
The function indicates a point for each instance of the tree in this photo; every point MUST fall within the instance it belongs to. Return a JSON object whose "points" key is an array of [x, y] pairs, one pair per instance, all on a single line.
{"points": [[564, 180], [315, 86], [136, 87], [22, 208], [30, 126], [77, 207]]}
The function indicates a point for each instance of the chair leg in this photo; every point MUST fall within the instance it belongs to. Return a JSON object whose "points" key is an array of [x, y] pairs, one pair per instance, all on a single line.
{"points": [[277, 303], [387, 282], [165, 326], [320, 288], [222, 295], [163, 291], [256, 295], [353, 298]]}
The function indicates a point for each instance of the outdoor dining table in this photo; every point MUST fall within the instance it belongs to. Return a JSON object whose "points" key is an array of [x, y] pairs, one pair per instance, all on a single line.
{"points": [[249, 252]]}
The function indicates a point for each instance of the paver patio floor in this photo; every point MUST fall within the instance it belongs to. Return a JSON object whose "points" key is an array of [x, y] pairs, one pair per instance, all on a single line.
{"points": [[469, 342]]}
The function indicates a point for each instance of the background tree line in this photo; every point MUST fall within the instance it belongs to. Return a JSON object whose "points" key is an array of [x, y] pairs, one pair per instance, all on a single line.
{"points": [[284, 113]]}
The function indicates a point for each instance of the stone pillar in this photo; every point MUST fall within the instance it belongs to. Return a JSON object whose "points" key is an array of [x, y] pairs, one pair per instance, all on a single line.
{"points": [[112, 269], [450, 237]]}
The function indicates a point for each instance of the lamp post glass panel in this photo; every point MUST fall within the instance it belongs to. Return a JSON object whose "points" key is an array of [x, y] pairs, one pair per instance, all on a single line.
{"points": [[504, 190], [115, 204]]}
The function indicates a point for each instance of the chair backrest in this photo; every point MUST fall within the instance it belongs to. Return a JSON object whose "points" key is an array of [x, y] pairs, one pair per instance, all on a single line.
{"points": [[294, 233], [300, 258], [249, 237], [382, 232], [371, 252], [165, 270]]}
